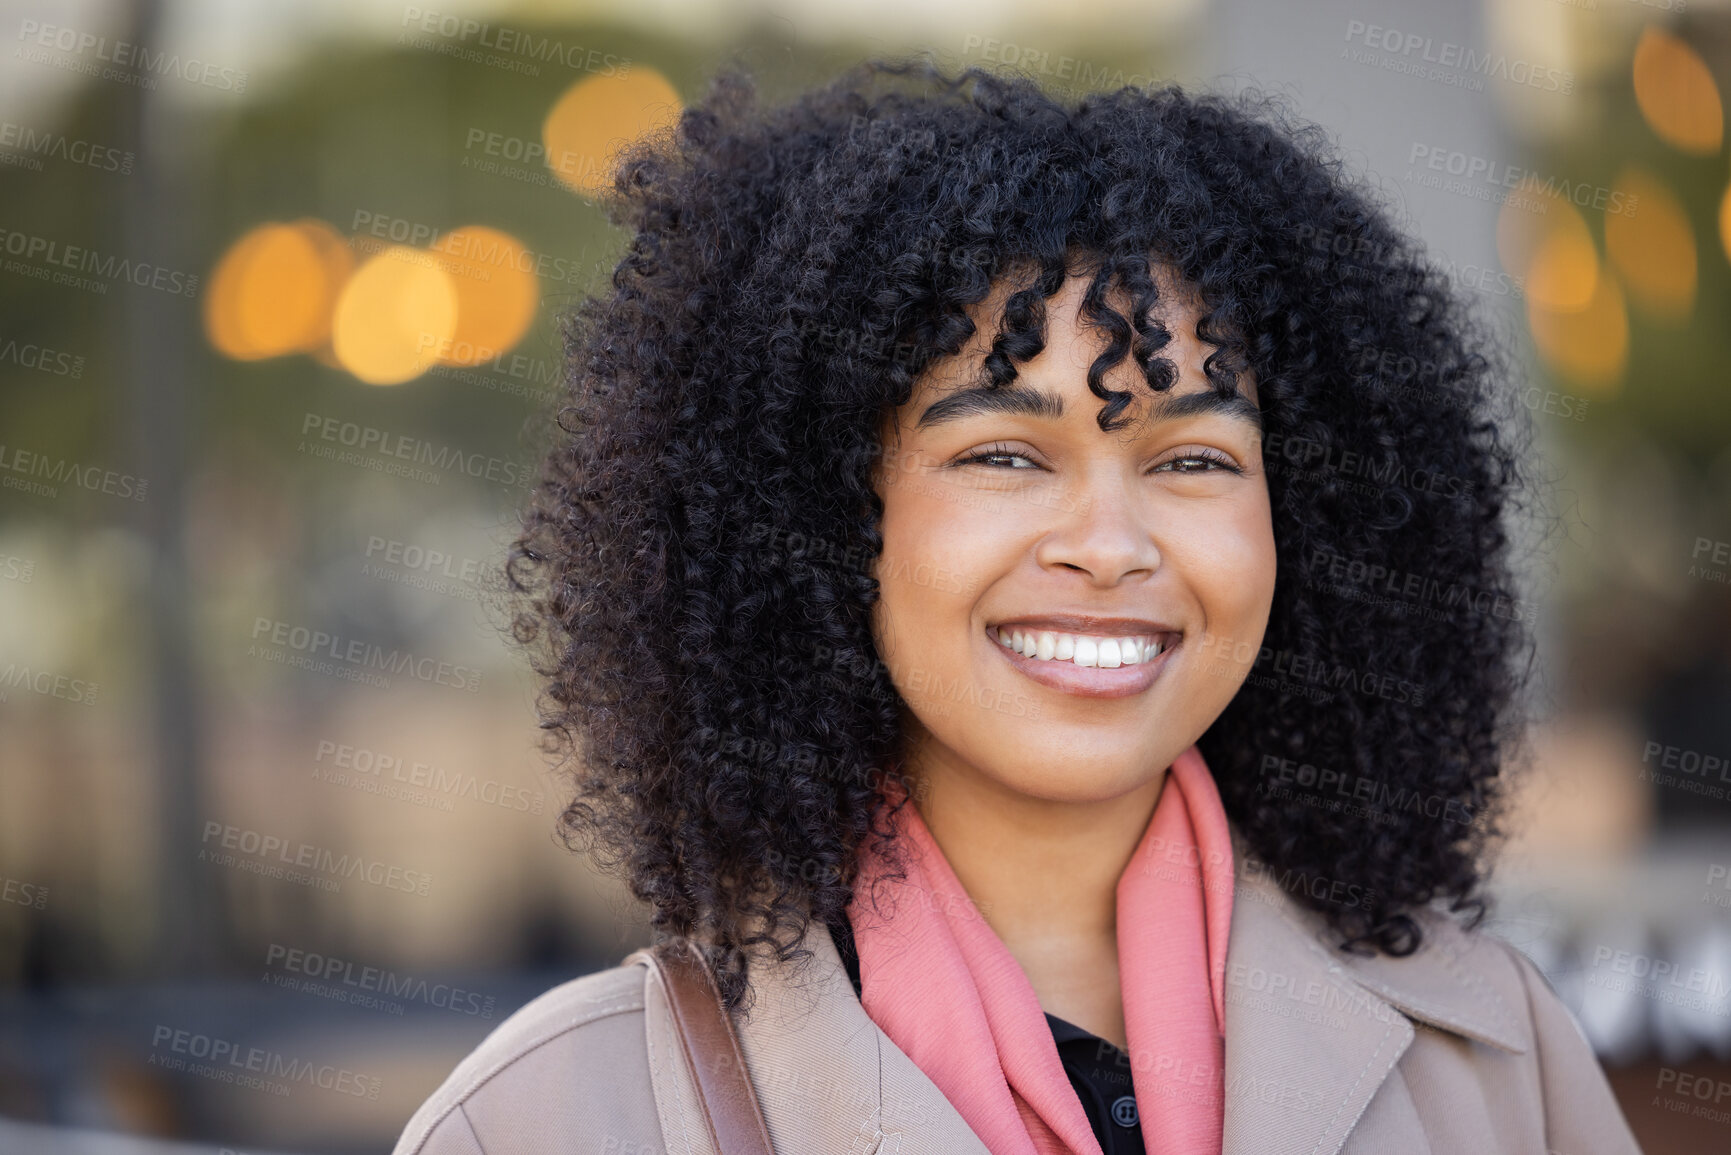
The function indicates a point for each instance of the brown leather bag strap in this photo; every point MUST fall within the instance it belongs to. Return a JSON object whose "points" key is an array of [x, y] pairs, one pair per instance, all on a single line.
{"points": [[724, 1091]]}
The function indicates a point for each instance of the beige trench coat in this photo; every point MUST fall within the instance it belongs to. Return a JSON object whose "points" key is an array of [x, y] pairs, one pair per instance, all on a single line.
{"points": [[1459, 1049]]}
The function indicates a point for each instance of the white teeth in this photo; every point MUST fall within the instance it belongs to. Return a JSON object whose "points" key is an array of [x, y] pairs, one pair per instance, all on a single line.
{"points": [[1082, 649]]}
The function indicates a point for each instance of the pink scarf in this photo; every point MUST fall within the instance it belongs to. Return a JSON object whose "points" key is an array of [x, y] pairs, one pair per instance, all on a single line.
{"points": [[942, 985]]}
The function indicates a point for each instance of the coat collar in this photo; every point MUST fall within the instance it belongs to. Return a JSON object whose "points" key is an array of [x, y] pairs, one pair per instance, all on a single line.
{"points": [[1311, 1034]]}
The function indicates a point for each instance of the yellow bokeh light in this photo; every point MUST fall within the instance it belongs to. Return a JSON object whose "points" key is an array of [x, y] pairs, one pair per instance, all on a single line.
{"points": [[597, 117], [1588, 346], [1652, 246], [1725, 222], [494, 277], [1543, 239], [394, 315], [1676, 93], [272, 291]]}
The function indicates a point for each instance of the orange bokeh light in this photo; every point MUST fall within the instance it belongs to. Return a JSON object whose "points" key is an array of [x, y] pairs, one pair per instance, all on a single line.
{"points": [[1676, 93], [394, 315], [496, 293], [1589, 346], [1542, 238], [1653, 246], [600, 115], [272, 292]]}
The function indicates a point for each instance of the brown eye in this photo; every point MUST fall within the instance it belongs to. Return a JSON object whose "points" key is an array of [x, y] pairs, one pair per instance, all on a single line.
{"points": [[994, 457], [1204, 461]]}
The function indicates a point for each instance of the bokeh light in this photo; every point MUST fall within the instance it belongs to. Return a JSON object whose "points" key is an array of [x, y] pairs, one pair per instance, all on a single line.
{"points": [[1676, 93], [1652, 246], [1543, 238], [1588, 346], [273, 291], [496, 293], [394, 315], [598, 117]]}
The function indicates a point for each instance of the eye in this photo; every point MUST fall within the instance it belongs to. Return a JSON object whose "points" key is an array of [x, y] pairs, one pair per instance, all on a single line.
{"points": [[993, 457], [1203, 460]]}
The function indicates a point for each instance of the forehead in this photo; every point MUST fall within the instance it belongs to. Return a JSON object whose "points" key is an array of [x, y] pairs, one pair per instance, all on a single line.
{"points": [[950, 387]]}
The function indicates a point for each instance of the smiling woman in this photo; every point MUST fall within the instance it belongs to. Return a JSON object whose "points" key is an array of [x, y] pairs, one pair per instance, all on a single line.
{"points": [[936, 590]]}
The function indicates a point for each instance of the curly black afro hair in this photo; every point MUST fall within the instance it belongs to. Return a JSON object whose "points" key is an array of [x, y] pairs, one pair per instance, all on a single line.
{"points": [[693, 572]]}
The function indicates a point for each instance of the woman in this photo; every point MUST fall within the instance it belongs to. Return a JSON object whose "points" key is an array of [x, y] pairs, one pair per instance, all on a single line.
{"points": [[1027, 588]]}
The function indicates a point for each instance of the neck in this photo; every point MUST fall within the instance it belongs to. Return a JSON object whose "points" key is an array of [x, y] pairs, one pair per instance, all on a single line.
{"points": [[1044, 874]]}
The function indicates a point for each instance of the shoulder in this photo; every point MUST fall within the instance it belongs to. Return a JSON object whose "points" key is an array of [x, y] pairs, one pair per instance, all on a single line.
{"points": [[570, 1062]]}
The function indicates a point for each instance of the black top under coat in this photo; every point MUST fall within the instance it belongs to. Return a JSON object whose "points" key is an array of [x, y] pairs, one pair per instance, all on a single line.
{"points": [[1099, 1071]]}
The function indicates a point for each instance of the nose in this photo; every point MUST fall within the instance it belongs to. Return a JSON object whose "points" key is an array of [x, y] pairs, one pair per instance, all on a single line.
{"points": [[1103, 531]]}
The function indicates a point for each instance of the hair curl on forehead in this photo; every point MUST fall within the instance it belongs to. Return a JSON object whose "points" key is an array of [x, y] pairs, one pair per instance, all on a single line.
{"points": [[694, 571]]}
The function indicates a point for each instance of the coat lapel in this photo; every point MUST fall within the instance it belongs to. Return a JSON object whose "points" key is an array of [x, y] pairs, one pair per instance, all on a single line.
{"points": [[827, 1077], [1312, 1033], [1306, 1046]]}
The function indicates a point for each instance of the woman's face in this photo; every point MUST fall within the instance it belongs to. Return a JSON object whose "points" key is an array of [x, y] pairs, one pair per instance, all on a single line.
{"points": [[1010, 517]]}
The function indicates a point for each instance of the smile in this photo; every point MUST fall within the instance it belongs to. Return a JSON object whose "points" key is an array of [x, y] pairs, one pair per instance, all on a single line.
{"points": [[1080, 649], [1086, 664]]}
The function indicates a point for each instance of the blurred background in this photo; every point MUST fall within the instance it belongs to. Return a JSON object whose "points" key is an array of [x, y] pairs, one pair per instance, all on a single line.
{"points": [[279, 292]]}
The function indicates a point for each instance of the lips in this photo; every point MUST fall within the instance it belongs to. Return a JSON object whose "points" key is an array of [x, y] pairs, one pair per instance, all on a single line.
{"points": [[1085, 655]]}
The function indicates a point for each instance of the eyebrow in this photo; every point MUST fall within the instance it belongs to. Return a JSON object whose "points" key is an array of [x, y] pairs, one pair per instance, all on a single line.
{"points": [[1022, 401]]}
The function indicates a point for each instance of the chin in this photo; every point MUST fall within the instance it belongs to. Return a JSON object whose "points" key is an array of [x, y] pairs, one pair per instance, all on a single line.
{"points": [[1059, 772]]}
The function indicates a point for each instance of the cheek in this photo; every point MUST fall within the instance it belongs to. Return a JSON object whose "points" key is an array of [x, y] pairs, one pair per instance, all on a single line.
{"points": [[939, 553], [1231, 561]]}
